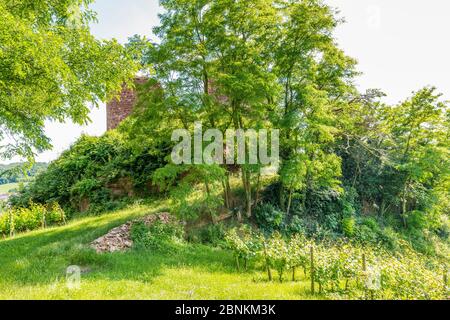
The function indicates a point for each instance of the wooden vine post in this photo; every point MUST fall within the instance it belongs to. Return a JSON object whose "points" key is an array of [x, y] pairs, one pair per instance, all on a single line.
{"points": [[312, 268], [445, 280], [11, 223], [269, 272], [364, 268]]}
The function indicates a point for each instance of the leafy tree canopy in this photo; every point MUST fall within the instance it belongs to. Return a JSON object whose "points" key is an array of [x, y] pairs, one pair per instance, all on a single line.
{"points": [[51, 69]]}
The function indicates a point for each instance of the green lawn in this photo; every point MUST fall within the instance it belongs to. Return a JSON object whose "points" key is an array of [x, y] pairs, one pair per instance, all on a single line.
{"points": [[33, 265], [6, 188]]}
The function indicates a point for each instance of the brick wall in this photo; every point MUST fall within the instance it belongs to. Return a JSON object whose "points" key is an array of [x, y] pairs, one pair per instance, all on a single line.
{"points": [[118, 109]]}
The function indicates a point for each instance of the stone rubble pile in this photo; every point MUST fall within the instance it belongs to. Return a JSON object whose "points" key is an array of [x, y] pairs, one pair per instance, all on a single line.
{"points": [[119, 238]]}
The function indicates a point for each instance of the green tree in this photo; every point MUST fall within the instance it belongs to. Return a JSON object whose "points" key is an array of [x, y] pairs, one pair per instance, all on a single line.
{"points": [[419, 148], [251, 64], [212, 65], [316, 77], [51, 69]]}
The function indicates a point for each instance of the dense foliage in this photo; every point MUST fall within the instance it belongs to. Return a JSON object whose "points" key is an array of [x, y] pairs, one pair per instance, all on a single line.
{"points": [[34, 217], [350, 165], [359, 183], [344, 269], [157, 236], [94, 174]]}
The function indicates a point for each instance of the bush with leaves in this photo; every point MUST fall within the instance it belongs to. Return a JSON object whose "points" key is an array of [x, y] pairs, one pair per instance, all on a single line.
{"points": [[299, 253], [213, 234], [244, 243], [344, 268], [268, 217], [84, 173], [326, 270], [294, 226], [276, 254], [157, 236], [33, 217], [409, 275], [348, 226]]}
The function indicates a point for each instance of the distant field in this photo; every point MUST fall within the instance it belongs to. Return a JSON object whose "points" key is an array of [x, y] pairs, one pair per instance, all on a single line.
{"points": [[6, 188]]}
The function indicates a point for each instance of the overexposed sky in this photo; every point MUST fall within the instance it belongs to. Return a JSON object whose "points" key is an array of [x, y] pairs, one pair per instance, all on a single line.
{"points": [[401, 46]]}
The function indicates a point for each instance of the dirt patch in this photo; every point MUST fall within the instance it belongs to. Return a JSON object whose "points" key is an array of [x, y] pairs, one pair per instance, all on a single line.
{"points": [[119, 238]]}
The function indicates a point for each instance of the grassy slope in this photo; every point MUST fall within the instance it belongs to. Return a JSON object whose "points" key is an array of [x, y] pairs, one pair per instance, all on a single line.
{"points": [[32, 266], [5, 188]]}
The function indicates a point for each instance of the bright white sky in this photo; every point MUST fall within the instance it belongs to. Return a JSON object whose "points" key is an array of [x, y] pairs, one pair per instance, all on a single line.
{"points": [[401, 46]]}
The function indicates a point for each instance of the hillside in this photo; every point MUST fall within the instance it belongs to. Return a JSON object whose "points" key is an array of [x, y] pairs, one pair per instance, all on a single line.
{"points": [[6, 188], [242, 158], [34, 267], [17, 172]]}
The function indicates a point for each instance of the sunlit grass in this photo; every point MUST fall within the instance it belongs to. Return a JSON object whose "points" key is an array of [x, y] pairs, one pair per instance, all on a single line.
{"points": [[33, 266], [6, 188]]}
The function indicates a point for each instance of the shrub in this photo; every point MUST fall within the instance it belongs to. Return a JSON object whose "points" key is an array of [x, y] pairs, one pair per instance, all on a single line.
{"points": [[158, 236], [389, 238], [332, 221], [85, 172], [295, 226], [365, 234], [348, 226], [211, 234], [33, 217], [372, 223], [345, 268], [271, 194], [276, 254], [324, 202], [299, 253], [417, 219], [268, 217], [244, 243]]}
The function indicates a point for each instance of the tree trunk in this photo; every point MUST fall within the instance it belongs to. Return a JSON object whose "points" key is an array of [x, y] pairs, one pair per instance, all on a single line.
{"points": [[226, 197], [269, 273], [304, 200], [289, 202], [208, 192], [247, 191]]}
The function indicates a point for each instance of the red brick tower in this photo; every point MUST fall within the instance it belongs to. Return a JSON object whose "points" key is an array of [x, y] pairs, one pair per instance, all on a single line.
{"points": [[118, 109]]}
